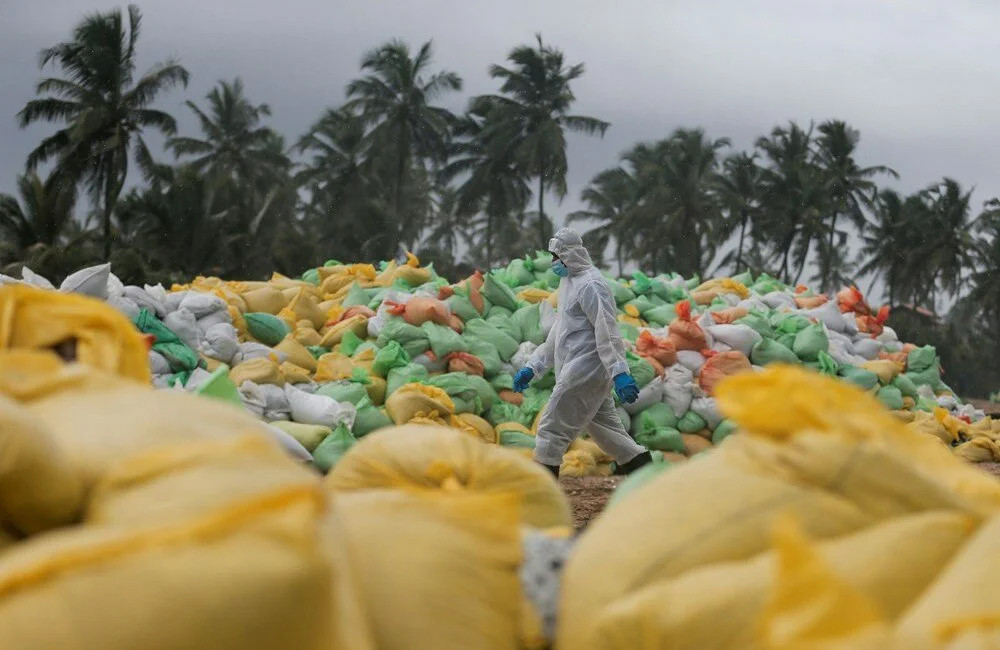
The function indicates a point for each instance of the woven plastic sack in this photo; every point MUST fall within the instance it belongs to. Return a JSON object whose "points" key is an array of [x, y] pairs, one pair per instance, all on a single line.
{"points": [[412, 339], [768, 351], [810, 341], [399, 377]]}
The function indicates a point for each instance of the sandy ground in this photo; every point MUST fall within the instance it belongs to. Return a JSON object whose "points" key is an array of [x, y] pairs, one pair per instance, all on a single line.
{"points": [[588, 496]]}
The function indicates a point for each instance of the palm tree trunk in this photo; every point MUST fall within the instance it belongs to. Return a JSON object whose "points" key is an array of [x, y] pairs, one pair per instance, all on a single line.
{"points": [[111, 190], [805, 258], [743, 230], [404, 228], [827, 280], [786, 248], [541, 213], [489, 240]]}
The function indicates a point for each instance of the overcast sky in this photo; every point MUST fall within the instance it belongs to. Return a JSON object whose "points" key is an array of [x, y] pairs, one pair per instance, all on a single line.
{"points": [[919, 78]]}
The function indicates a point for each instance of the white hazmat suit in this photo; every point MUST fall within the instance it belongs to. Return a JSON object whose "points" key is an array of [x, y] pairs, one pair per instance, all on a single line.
{"points": [[586, 350]]}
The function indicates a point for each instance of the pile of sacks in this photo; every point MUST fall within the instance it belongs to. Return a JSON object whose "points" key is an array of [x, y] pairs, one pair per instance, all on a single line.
{"points": [[350, 348], [825, 524]]}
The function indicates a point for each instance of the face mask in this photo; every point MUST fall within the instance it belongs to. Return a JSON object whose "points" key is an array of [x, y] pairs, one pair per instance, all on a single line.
{"points": [[560, 269]]}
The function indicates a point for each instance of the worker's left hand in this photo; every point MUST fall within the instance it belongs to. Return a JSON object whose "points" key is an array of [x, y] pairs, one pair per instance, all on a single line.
{"points": [[626, 389]]}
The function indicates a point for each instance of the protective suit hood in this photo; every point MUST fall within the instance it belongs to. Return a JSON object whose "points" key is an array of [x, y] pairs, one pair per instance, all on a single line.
{"points": [[568, 246]]}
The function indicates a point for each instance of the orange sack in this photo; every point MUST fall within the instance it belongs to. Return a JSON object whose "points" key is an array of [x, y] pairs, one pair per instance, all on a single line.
{"points": [[421, 310], [722, 365], [851, 299], [730, 315], [465, 362], [810, 302], [663, 350], [684, 333]]}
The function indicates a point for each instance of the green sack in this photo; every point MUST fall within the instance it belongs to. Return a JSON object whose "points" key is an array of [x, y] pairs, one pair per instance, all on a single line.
{"points": [[268, 329], [621, 293], [485, 353], [930, 377], [505, 346], [787, 340], [758, 322], [391, 356], [640, 369], [471, 394], [925, 404], [891, 397], [350, 343], [810, 342], [529, 324], [356, 296], [785, 323], [368, 419], [642, 304], [768, 351], [344, 391], [723, 431], [505, 412], [413, 373], [663, 315], [443, 340], [318, 350], [662, 439], [333, 447], [637, 479], [506, 324], [182, 359], [863, 379], [744, 278], [519, 273], [461, 307], [657, 416], [765, 284], [413, 339], [535, 400], [691, 423], [641, 283], [921, 359], [503, 381], [906, 386], [498, 293], [548, 381], [628, 331], [827, 365], [311, 276], [516, 439]]}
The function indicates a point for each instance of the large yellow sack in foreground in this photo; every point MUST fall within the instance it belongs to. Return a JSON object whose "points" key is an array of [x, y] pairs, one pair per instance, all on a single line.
{"points": [[436, 572], [720, 605], [449, 462], [39, 488], [33, 319], [814, 447]]}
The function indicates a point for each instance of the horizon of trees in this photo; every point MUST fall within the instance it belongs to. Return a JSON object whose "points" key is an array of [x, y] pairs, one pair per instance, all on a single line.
{"points": [[392, 169]]}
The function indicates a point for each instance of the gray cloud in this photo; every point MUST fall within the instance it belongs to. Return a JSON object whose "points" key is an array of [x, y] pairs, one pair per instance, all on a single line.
{"points": [[918, 77]]}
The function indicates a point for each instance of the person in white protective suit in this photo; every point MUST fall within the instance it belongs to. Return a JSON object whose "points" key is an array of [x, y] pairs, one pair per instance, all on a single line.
{"points": [[586, 350]]}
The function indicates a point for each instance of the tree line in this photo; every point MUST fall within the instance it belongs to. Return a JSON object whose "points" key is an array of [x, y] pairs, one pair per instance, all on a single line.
{"points": [[392, 168]]}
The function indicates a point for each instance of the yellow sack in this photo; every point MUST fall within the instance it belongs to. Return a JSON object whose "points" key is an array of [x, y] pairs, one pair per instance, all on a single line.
{"points": [[533, 296], [239, 322], [307, 336], [357, 324], [813, 446], [333, 367], [927, 424], [886, 370], [978, 450], [629, 320], [387, 275], [961, 607], [259, 371], [410, 399], [36, 319], [305, 308], [297, 353], [293, 374], [39, 488], [447, 462], [726, 605], [282, 282], [288, 317], [456, 586], [413, 276], [366, 361], [266, 300], [376, 388], [577, 464], [308, 435], [485, 430], [433, 419]]}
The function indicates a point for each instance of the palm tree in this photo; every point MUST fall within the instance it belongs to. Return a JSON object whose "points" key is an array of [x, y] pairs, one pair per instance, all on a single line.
{"points": [[407, 130], [535, 102], [103, 110], [849, 187], [948, 251], [739, 191], [493, 185], [42, 216], [793, 196], [611, 199], [235, 150], [985, 293]]}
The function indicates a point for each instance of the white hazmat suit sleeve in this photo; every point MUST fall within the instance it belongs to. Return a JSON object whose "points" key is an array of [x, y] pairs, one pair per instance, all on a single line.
{"points": [[544, 357], [599, 306]]}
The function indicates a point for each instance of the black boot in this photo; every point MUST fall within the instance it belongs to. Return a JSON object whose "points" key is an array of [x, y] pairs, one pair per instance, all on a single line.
{"points": [[552, 468], [642, 459]]}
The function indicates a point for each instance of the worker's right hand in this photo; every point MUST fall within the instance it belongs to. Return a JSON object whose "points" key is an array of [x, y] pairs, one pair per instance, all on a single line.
{"points": [[522, 379]]}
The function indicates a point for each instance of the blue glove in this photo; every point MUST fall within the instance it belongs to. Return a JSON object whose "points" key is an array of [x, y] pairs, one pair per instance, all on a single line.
{"points": [[625, 388], [523, 378]]}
